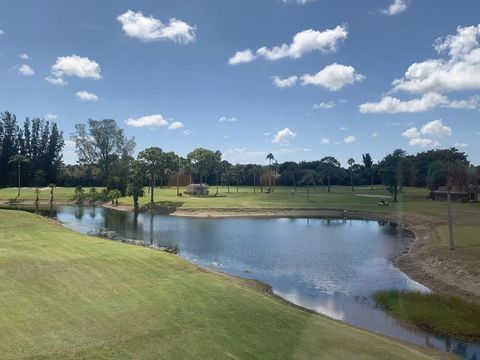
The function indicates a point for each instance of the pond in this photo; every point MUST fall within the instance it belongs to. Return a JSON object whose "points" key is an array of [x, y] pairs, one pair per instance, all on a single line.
{"points": [[331, 266]]}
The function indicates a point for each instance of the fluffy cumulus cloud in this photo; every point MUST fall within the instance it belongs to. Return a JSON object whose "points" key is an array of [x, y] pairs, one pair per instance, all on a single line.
{"points": [[324, 141], [156, 120], [86, 96], [244, 56], [148, 28], [26, 70], [24, 56], [457, 71], [429, 133], [2, 32], [283, 136], [427, 102], [228, 119], [333, 77], [74, 65], [284, 83], [460, 145], [395, 8], [349, 139], [176, 125], [302, 44]]}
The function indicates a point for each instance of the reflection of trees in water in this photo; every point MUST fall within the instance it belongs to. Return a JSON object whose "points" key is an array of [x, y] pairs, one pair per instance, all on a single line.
{"points": [[79, 212]]}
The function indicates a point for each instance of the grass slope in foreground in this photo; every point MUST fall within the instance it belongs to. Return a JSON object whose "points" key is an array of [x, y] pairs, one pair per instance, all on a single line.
{"points": [[64, 296], [444, 315]]}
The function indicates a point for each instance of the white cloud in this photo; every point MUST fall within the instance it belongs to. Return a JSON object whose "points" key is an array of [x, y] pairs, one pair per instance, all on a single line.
{"points": [[325, 105], [299, 2], [73, 65], [349, 139], [284, 136], [26, 70], [147, 28], [460, 145], [228, 119], [51, 116], [324, 141], [397, 7], [175, 125], [333, 77], [374, 135], [156, 120], [86, 96], [411, 133], [343, 128], [284, 83], [2, 32], [427, 102], [24, 56], [244, 56], [459, 70], [423, 142], [436, 128], [56, 81], [303, 43]]}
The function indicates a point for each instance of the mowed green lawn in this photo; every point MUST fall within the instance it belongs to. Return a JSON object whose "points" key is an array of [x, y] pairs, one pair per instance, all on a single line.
{"points": [[68, 296]]}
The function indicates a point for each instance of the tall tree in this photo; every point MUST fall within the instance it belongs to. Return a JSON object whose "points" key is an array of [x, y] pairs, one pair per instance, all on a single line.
{"points": [[368, 163], [18, 160], [270, 158], [136, 179], [154, 160], [8, 147], [351, 162], [204, 161], [394, 169], [101, 143], [329, 166]]}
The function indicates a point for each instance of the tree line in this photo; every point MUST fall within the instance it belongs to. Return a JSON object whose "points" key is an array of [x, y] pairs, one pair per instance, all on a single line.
{"points": [[106, 158], [35, 147]]}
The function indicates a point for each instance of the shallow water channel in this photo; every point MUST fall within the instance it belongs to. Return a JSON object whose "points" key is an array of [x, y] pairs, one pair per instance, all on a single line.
{"points": [[331, 266]]}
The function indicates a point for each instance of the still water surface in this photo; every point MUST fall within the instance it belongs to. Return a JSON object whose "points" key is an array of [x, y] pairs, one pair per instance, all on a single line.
{"points": [[330, 266]]}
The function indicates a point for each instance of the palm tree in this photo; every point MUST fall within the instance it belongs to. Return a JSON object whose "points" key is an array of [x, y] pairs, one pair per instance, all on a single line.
{"points": [[350, 164], [270, 158], [18, 159]]}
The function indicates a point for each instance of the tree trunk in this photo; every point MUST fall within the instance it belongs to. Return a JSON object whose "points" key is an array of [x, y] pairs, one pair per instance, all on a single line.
{"points": [[450, 224], [395, 193], [18, 174], [372, 177], [351, 180], [308, 192], [254, 183], [237, 184], [217, 185], [178, 187], [152, 185], [328, 183]]}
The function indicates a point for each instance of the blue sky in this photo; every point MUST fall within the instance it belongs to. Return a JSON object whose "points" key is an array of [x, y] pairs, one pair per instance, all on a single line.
{"points": [[301, 79]]}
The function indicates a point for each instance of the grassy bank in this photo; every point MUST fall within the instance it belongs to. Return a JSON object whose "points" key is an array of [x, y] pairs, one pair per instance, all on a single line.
{"points": [[444, 315], [68, 296]]}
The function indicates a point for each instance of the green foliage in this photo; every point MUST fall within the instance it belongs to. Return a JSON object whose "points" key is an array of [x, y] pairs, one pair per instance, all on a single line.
{"points": [[79, 194], [102, 144], [444, 315], [204, 162]]}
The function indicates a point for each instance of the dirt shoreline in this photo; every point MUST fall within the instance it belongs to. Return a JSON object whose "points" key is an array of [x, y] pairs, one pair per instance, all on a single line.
{"points": [[419, 261]]}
